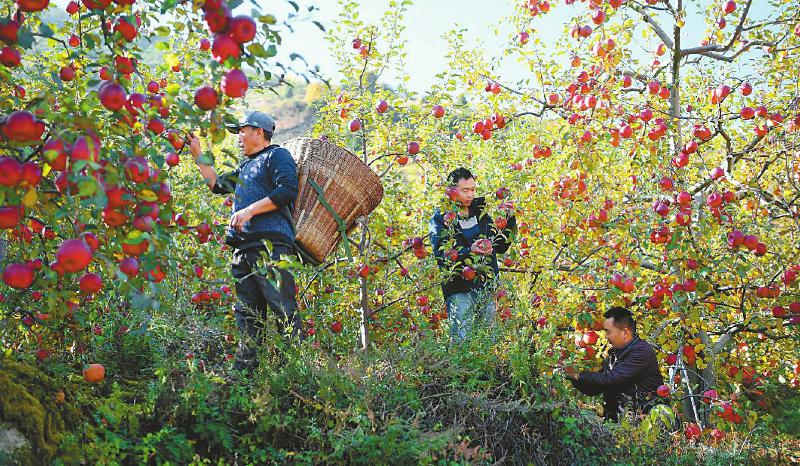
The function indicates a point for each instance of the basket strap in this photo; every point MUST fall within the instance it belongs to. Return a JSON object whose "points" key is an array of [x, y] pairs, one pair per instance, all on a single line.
{"points": [[342, 227]]}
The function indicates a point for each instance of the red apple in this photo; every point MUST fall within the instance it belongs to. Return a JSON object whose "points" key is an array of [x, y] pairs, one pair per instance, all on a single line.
{"points": [[224, 47], [10, 57], [90, 283], [55, 154], [206, 98], [234, 83], [10, 216], [9, 31], [468, 273], [217, 18], [355, 125], [156, 126], [438, 111], [112, 96], [242, 29], [74, 255], [683, 198], [125, 29], [750, 242], [172, 159], [714, 200], [18, 276], [413, 147], [336, 327], [32, 5], [21, 126], [735, 239], [30, 174], [67, 73], [85, 148], [452, 193], [129, 266], [590, 338], [382, 106], [598, 16], [663, 391]]}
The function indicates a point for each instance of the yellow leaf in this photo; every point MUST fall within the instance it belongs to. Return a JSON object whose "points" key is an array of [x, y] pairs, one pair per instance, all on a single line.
{"points": [[30, 198], [171, 59], [148, 195]]}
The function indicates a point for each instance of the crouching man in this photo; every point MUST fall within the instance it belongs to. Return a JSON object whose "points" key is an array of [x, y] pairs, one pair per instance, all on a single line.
{"points": [[629, 375]]}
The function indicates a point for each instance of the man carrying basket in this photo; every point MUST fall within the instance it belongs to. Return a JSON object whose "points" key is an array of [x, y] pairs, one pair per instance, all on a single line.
{"points": [[265, 188]]}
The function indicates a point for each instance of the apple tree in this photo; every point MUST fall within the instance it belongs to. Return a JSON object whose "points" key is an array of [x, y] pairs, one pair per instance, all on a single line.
{"points": [[98, 214], [665, 180]]}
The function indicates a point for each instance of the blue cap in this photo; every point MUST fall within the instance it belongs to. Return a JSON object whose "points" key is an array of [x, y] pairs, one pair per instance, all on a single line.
{"points": [[256, 119]]}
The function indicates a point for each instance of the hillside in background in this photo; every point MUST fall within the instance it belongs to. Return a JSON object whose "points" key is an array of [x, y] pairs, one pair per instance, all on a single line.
{"points": [[291, 105]]}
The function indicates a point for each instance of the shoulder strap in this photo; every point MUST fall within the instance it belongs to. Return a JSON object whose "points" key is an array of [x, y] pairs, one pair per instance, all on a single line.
{"points": [[286, 211]]}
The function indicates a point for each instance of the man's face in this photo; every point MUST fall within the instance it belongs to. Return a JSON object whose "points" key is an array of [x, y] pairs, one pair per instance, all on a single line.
{"points": [[465, 191], [618, 337], [251, 139]]}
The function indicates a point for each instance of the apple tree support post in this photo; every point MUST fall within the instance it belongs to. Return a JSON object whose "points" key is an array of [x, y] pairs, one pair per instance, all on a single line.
{"points": [[364, 292]]}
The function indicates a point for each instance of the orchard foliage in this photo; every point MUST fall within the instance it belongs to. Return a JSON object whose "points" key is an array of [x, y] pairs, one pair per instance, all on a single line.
{"points": [[666, 181]]}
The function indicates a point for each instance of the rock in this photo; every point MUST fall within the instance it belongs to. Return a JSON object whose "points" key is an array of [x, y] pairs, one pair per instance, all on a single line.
{"points": [[11, 440]]}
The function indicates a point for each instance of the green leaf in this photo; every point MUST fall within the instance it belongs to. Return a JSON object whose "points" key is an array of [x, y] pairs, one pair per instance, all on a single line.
{"points": [[141, 300], [173, 89], [319, 25], [45, 30], [168, 5], [163, 31], [87, 188], [257, 50], [234, 3], [294, 5], [25, 38], [703, 286], [267, 19]]}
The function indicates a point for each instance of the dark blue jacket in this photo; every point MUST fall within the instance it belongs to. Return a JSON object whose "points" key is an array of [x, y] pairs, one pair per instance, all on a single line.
{"points": [[270, 173], [628, 377], [441, 234]]}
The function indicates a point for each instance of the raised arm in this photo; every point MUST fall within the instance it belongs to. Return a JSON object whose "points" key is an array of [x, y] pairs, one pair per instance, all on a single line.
{"points": [[209, 175]]}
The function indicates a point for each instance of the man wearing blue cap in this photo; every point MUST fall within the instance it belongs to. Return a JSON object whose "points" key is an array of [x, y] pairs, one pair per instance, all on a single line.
{"points": [[264, 187]]}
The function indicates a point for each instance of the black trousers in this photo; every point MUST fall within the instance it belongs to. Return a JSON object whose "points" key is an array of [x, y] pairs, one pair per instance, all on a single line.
{"points": [[260, 290]]}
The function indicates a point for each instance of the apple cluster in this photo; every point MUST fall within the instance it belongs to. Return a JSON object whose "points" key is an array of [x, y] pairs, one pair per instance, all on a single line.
{"points": [[230, 35]]}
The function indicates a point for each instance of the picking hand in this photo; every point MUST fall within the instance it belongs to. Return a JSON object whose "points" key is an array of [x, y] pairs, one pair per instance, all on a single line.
{"points": [[482, 247], [571, 372], [194, 146], [239, 218]]}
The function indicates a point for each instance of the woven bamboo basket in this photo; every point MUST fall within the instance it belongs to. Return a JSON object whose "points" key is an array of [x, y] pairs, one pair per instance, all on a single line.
{"points": [[350, 187]]}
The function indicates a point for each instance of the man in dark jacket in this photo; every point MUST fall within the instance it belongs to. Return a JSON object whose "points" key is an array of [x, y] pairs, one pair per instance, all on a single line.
{"points": [[629, 376], [264, 187], [466, 242]]}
